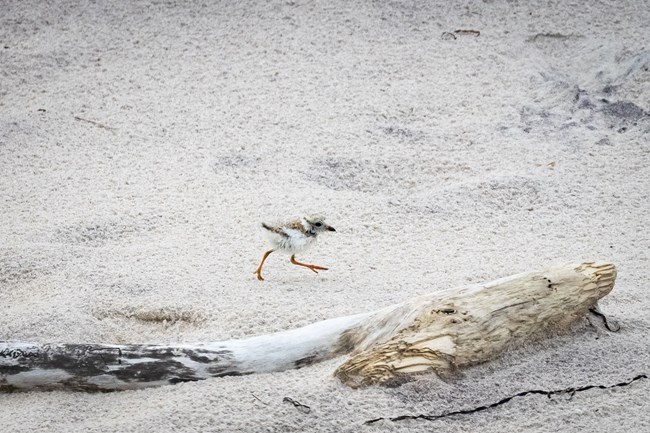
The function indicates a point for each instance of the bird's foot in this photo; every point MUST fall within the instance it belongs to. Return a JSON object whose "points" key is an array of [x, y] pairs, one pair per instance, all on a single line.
{"points": [[315, 268]]}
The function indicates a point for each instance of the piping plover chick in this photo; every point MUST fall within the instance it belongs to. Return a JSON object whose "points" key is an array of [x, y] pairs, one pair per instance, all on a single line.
{"points": [[294, 237]]}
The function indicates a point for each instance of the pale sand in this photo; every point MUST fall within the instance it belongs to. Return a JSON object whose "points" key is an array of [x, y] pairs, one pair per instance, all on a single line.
{"points": [[440, 162]]}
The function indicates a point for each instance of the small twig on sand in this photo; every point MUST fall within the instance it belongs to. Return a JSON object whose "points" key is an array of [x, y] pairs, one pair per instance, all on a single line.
{"points": [[97, 124], [459, 32], [468, 32], [612, 327], [301, 407], [258, 399], [570, 391]]}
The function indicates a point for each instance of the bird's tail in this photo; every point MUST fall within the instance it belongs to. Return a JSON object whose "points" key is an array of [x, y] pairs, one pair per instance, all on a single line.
{"points": [[269, 228]]}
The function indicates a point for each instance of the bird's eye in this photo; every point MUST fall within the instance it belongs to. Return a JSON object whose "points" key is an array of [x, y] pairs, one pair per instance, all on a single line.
{"points": [[318, 224]]}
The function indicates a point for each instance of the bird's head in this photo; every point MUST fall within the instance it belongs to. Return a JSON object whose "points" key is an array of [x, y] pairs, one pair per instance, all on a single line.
{"points": [[317, 223]]}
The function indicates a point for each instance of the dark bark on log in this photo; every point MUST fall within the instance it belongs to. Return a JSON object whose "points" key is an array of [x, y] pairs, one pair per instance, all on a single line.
{"points": [[102, 367]]}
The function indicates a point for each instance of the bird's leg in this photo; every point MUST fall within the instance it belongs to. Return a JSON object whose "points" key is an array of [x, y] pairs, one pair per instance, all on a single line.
{"points": [[312, 267], [259, 268]]}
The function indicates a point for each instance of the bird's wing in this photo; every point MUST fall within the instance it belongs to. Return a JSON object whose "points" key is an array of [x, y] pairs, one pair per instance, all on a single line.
{"points": [[276, 230]]}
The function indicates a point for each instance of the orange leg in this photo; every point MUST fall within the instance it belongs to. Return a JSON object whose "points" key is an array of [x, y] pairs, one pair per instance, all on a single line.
{"points": [[259, 268], [312, 267]]}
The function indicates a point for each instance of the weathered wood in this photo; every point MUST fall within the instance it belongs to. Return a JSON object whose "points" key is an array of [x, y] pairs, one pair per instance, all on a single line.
{"points": [[437, 332], [456, 328]]}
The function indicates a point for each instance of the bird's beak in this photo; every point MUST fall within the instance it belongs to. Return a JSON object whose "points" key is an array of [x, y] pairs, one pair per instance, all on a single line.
{"points": [[330, 228]]}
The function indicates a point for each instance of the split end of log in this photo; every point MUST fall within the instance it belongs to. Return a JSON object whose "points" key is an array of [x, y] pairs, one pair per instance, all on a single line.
{"points": [[461, 327]]}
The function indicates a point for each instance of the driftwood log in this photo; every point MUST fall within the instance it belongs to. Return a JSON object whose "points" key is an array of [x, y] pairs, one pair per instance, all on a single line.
{"points": [[438, 332]]}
